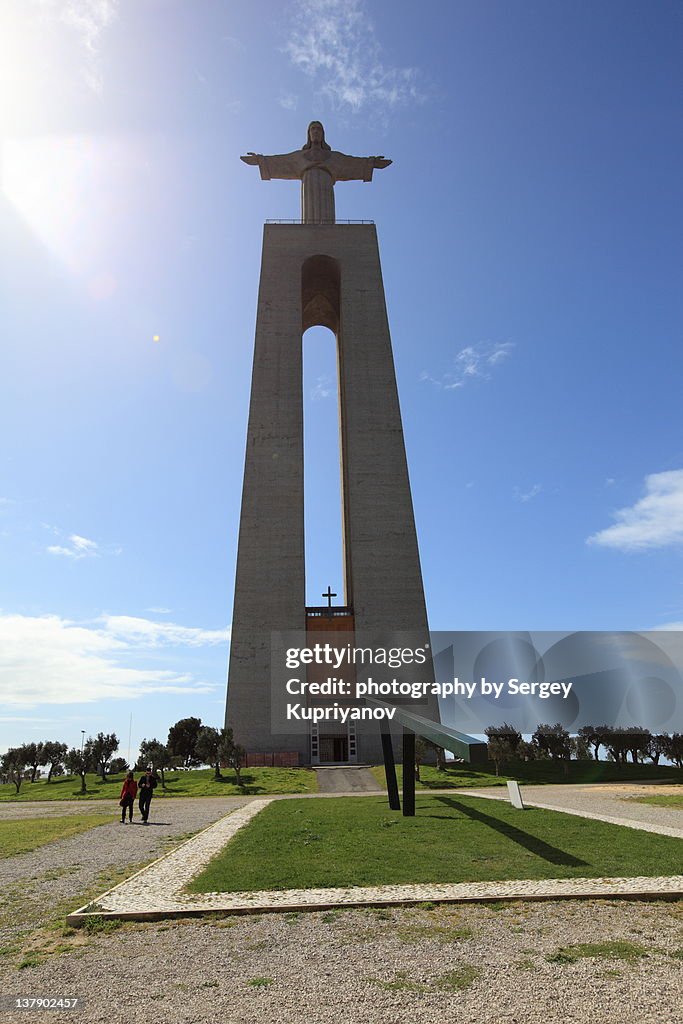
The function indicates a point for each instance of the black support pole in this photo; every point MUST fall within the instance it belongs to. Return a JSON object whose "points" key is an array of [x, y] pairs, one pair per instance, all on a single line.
{"points": [[390, 770], [408, 774]]}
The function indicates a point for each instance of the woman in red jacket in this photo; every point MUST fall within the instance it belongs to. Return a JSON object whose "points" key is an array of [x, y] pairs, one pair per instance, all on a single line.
{"points": [[128, 794]]}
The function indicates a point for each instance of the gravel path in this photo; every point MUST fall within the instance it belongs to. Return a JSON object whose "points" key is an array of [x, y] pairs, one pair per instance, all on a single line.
{"points": [[69, 868], [114, 845], [467, 964], [373, 968], [610, 801], [56, 809]]}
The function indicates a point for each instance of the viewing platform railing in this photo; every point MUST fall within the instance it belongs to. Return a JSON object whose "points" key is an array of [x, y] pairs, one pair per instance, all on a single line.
{"points": [[327, 613], [320, 223]]}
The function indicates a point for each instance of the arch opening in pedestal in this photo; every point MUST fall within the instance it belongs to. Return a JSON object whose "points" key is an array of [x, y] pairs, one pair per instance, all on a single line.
{"points": [[323, 517]]}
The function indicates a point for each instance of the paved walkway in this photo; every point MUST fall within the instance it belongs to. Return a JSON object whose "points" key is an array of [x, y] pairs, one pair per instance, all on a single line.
{"points": [[613, 803], [347, 781]]}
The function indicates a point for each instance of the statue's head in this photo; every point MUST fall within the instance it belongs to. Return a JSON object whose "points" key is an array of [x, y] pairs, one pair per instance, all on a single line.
{"points": [[316, 136]]}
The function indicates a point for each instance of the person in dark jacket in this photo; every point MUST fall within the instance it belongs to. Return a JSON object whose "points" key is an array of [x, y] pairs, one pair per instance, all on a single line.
{"points": [[128, 793], [146, 787]]}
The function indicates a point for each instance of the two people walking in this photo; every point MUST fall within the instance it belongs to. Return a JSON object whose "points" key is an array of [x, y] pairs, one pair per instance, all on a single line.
{"points": [[144, 790]]}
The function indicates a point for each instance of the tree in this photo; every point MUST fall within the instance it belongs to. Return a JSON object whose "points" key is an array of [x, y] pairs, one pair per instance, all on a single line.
{"points": [[98, 751], [638, 742], [591, 737], [14, 764], [117, 765], [76, 762], [53, 754], [420, 753], [554, 740], [156, 753], [440, 755], [233, 755], [617, 742], [33, 753], [182, 739], [503, 743], [208, 748], [674, 749], [527, 751], [580, 747], [658, 747]]}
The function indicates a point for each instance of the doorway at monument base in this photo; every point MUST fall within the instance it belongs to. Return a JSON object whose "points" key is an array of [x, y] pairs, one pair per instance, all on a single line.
{"points": [[332, 749], [334, 743], [326, 745]]}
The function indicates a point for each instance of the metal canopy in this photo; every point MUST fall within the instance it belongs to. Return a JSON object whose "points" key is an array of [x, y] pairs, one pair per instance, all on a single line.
{"points": [[466, 747]]}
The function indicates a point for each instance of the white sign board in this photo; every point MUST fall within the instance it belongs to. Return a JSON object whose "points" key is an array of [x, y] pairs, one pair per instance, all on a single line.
{"points": [[515, 795]]}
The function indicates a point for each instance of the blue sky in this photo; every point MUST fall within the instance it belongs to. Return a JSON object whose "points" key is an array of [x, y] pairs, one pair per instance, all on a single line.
{"points": [[529, 228]]}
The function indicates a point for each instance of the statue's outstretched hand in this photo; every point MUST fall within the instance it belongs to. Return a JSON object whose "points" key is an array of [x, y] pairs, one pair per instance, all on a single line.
{"points": [[250, 158], [379, 161]]}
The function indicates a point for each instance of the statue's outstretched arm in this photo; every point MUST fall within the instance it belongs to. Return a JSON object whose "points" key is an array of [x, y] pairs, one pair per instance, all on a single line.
{"points": [[284, 165], [355, 168]]}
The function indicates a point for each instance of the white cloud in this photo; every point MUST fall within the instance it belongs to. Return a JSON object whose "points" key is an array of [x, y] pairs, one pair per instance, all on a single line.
{"points": [[83, 544], [24, 718], [524, 496], [79, 547], [499, 352], [323, 388], [656, 521], [474, 362], [334, 42], [159, 610], [673, 627], [288, 101], [50, 660], [144, 632], [87, 19]]}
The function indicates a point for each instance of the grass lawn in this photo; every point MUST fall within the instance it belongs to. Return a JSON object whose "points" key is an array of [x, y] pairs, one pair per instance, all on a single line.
{"points": [[672, 800], [536, 773], [25, 834], [347, 841], [193, 783]]}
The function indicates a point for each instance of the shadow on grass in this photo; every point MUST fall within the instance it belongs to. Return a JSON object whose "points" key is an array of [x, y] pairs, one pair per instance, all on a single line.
{"points": [[544, 850]]}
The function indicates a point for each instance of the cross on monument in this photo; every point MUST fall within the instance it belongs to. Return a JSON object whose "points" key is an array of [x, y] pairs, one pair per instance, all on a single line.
{"points": [[329, 595]]}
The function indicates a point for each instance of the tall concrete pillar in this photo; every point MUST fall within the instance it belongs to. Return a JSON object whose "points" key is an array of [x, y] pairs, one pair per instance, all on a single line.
{"points": [[329, 275]]}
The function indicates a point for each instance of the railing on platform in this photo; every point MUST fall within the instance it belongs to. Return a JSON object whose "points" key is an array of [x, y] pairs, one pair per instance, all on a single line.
{"points": [[319, 223], [328, 613]]}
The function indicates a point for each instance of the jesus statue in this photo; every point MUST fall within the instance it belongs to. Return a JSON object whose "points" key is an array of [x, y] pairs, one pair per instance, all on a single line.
{"points": [[318, 167]]}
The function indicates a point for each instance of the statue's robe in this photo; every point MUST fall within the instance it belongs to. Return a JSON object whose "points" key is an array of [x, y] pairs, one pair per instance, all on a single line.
{"points": [[318, 169]]}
